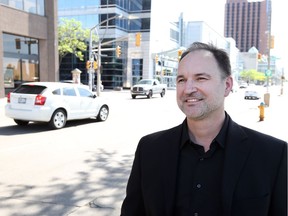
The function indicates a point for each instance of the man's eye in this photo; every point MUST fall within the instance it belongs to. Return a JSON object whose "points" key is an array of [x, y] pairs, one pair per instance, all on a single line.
{"points": [[180, 80], [201, 78]]}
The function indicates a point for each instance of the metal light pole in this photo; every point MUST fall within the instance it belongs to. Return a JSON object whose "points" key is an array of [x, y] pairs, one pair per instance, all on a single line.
{"points": [[99, 69], [267, 94], [91, 55]]}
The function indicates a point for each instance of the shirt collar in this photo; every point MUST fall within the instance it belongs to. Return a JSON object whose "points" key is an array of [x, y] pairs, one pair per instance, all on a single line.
{"points": [[220, 138]]}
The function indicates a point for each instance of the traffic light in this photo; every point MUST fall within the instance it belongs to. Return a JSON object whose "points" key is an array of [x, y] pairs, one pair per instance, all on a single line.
{"points": [[156, 59], [95, 65], [179, 54], [271, 42], [88, 64], [138, 39], [118, 51]]}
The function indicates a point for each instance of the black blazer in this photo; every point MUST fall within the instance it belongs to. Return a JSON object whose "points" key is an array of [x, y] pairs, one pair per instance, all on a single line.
{"points": [[254, 179]]}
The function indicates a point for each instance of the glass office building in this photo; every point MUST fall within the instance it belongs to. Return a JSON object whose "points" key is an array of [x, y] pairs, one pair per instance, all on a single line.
{"points": [[132, 16]]}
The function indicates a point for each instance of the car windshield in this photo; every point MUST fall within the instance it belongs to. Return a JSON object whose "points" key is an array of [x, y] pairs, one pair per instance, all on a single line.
{"points": [[145, 82], [30, 89]]}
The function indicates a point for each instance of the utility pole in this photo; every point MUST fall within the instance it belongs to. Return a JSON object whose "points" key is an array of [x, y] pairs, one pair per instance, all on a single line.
{"points": [[282, 82], [92, 56]]}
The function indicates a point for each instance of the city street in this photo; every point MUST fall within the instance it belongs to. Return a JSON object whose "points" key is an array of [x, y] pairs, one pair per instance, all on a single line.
{"points": [[83, 168]]}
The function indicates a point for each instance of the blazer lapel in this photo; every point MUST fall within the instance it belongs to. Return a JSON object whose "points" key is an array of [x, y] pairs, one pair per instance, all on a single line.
{"points": [[170, 165], [237, 150]]}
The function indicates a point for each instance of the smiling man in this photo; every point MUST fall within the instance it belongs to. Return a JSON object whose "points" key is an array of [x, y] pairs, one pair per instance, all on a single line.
{"points": [[208, 165]]}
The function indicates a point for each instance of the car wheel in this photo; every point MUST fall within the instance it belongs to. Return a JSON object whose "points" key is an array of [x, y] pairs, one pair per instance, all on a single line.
{"points": [[21, 122], [58, 119], [150, 94], [103, 113], [162, 93], [133, 96]]}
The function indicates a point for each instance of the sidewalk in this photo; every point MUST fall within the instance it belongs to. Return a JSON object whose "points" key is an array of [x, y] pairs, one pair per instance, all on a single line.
{"points": [[275, 117]]}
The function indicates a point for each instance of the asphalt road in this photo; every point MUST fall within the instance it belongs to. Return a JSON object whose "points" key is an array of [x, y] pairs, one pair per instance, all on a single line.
{"points": [[83, 168]]}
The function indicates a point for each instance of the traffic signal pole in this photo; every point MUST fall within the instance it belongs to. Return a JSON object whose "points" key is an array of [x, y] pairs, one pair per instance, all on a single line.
{"points": [[90, 72], [92, 51], [99, 69], [98, 58]]}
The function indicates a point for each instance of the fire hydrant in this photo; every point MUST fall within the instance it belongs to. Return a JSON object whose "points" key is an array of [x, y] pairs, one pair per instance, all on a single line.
{"points": [[261, 109]]}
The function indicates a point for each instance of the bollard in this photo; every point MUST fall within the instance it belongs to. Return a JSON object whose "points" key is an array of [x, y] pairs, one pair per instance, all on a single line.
{"points": [[261, 109]]}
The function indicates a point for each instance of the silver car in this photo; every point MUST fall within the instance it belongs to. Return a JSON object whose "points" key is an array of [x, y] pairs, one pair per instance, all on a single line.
{"points": [[252, 94]]}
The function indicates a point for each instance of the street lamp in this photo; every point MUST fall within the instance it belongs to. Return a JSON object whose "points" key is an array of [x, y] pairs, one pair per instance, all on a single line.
{"points": [[267, 94], [98, 58]]}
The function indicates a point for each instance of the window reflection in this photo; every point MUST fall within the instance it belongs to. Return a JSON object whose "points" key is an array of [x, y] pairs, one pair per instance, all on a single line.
{"points": [[21, 60], [30, 6]]}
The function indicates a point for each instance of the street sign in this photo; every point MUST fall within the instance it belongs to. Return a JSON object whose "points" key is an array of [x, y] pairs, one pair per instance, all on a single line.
{"points": [[268, 72]]}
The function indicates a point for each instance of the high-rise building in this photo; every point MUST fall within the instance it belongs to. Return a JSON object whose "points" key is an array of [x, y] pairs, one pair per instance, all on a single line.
{"points": [[249, 23], [159, 34]]}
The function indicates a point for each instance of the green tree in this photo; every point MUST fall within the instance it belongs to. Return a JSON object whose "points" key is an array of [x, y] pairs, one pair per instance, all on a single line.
{"points": [[252, 76], [72, 39]]}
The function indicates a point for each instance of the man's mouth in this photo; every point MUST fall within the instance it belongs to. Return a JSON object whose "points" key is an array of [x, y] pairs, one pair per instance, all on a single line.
{"points": [[193, 100]]}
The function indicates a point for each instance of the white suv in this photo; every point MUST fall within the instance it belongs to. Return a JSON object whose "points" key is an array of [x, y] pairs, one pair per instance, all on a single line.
{"points": [[54, 103]]}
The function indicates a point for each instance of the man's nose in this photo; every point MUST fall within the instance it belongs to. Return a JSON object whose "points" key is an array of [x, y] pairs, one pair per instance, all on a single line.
{"points": [[190, 86]]}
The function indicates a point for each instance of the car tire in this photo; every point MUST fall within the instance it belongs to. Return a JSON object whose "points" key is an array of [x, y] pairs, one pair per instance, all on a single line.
{"points": [[103, 113], [21, 122], [150, 94], [58, 119], [162, 93], [133, 96]]}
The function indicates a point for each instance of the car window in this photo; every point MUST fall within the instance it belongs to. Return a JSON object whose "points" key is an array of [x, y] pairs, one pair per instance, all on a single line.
{"points": [[69, 91], [56, 92], [30, 89], [84, 92], [149, 82]]}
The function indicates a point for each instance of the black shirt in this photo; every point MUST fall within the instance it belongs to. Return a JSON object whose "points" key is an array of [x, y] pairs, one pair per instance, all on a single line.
{"points": [[199, 181]]}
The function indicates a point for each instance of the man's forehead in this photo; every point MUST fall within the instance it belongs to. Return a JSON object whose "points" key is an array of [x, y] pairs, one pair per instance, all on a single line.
{"points": [[201, 52]]}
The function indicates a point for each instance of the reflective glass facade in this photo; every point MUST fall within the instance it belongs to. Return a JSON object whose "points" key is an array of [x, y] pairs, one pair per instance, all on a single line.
{"points": [[90, 13], [21, 60], [30, 6]]}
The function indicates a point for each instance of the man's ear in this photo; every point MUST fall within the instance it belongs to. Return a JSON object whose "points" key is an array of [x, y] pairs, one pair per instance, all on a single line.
{"points": [[229, 85]]}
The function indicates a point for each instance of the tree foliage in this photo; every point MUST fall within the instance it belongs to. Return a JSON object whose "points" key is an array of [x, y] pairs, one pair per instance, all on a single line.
{"points": [[72, 38], [252, 75]]}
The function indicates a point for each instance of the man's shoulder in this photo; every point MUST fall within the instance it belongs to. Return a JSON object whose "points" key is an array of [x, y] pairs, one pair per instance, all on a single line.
{"points": [[260, 135], [161, 138], [259, 138], [164, 133]]}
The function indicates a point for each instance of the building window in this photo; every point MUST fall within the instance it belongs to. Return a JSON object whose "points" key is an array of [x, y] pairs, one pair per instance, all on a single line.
{"points": [[21, 60], [139, 24], [137, 70], [174, 35], [30, 6]]}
